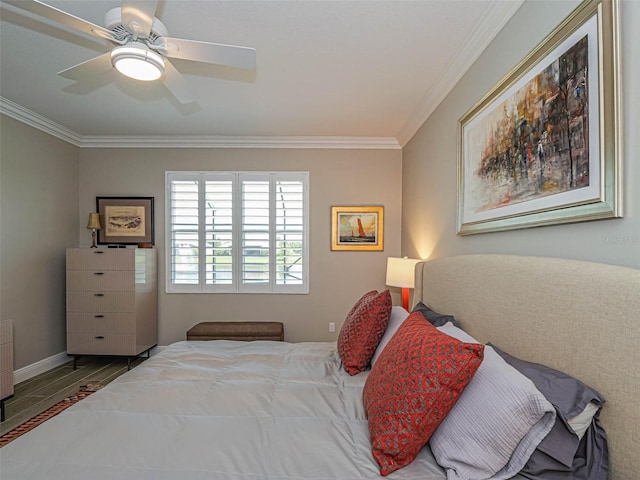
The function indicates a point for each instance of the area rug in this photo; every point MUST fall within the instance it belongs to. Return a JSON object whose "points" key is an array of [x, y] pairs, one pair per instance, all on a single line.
{"points": [[50, 412]]}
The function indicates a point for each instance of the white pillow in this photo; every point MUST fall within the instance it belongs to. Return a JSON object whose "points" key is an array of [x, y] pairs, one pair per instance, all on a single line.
{"points": [[398, 315], [581, 422]]}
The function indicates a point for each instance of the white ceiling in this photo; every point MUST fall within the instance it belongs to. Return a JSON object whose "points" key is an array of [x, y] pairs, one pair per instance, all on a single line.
{"points": [[349, 71]]}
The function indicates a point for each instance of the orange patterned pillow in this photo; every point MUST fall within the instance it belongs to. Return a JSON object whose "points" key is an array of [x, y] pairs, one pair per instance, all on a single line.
{"points": [[362, 330], [411, 388]]}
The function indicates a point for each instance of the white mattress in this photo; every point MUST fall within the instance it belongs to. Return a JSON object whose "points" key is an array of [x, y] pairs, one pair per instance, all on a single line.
{"points": [[218, 410]]}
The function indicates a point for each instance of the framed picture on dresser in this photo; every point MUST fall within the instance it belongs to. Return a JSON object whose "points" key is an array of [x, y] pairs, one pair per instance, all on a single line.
{"points": [[125, 220]]}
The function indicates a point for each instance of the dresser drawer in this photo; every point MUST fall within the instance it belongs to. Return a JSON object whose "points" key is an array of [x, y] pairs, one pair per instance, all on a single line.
{"points": [[100, 281], [107, 344], [100, 259], [6, 331], [100, 302], [6, 357], [101, 323]]}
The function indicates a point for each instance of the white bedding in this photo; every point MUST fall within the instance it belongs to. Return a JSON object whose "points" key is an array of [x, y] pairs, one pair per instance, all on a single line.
{"points": [[218, 410]]}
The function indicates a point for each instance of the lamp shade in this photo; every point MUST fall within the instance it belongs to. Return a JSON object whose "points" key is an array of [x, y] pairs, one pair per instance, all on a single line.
{"points": [[94, 221], [401, 272]]}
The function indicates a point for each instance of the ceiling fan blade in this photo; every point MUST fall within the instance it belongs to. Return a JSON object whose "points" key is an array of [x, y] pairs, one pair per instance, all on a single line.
{"points": [[90, 69], [60, 16], [206, 52], [177, 85], [137, 15]]}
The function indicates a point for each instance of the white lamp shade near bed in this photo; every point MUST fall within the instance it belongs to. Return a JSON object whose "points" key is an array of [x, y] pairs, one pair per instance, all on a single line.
{"points": [[401, 273]]}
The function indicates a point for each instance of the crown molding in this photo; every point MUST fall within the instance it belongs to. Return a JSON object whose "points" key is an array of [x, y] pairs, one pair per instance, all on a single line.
{"points": [[220, 141], [493, 20], [17, 112], [35, 120]]}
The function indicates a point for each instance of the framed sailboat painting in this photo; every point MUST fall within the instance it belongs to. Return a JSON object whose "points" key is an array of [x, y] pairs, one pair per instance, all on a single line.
{"points": [[357, 228]]}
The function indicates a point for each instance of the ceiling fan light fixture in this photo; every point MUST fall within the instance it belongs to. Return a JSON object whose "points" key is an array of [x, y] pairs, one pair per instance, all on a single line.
{"points": [[137, 62]]}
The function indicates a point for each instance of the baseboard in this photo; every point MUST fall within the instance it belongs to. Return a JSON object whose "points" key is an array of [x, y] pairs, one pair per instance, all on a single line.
{"points": [[25, 373]]}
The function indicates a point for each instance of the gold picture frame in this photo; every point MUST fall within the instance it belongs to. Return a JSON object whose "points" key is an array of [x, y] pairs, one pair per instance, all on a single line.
{"points": [[357, 228], [544, 146]]}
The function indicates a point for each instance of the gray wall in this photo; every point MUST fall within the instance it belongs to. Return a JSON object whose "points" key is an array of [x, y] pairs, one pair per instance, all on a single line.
{"points": [[39, 220], [49, 186], [430, 161], [337, 279]]}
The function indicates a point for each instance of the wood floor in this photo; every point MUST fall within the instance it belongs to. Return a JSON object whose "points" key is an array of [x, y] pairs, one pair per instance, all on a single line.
{"points": [[42, 391]]}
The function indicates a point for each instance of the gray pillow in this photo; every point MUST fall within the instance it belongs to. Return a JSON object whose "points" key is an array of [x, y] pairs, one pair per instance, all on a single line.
{"points": [[500, 408], [398, 315], [434, 318], [562, 455]]}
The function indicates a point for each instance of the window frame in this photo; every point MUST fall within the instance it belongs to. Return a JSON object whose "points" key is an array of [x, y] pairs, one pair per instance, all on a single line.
{"points": [[237, 286]]}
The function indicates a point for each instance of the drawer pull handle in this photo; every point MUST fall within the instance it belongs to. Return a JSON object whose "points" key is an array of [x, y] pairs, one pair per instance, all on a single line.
{"points": [[98, 251], [99, 337], [98, 294], [98, 273], [99, 316]]}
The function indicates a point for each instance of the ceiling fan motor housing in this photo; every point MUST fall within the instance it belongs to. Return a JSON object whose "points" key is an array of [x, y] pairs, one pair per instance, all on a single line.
{"points": [[113, 22]]}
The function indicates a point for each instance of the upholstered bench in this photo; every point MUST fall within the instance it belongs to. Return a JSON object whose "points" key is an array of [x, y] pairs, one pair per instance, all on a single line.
{"points": [[247, 331]]}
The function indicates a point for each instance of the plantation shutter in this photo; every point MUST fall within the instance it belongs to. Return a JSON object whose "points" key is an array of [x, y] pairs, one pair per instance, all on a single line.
{"points": [[255, 232], [184, 241], [240, 232], [218, 213], [290, 231]]}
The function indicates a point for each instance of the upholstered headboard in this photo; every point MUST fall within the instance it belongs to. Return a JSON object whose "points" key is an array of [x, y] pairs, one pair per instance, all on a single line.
{"points": [[579, 317]]}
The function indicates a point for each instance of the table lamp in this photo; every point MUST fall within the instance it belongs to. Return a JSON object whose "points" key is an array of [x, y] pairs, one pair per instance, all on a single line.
{"points": [[94, 224], [401, 273]]}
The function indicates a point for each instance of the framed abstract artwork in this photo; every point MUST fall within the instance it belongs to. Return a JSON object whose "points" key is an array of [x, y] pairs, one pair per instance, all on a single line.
{"points": [[544, 146], [357, 228]]}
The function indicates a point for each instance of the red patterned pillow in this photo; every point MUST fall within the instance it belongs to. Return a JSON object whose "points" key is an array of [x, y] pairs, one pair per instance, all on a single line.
{"points": [[362, 330], [415, 382], [364, 298]]}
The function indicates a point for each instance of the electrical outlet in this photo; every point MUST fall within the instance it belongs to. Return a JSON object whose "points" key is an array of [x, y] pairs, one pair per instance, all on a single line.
{"points": [[332, 326]]}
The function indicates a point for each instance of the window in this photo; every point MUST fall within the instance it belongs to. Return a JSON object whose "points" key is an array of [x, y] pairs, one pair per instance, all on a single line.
{"points": [[237, 232]]}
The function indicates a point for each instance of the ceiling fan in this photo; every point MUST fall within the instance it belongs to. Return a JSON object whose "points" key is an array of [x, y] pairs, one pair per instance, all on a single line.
{"points": [[142, 46]]}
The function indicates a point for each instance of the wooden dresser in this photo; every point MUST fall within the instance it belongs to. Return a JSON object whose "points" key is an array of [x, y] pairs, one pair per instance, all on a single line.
{"points": [[6, 363], [111, 301]]}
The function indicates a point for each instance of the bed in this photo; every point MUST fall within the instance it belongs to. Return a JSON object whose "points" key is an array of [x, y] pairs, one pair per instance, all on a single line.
{"points": [[231, 410]]}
